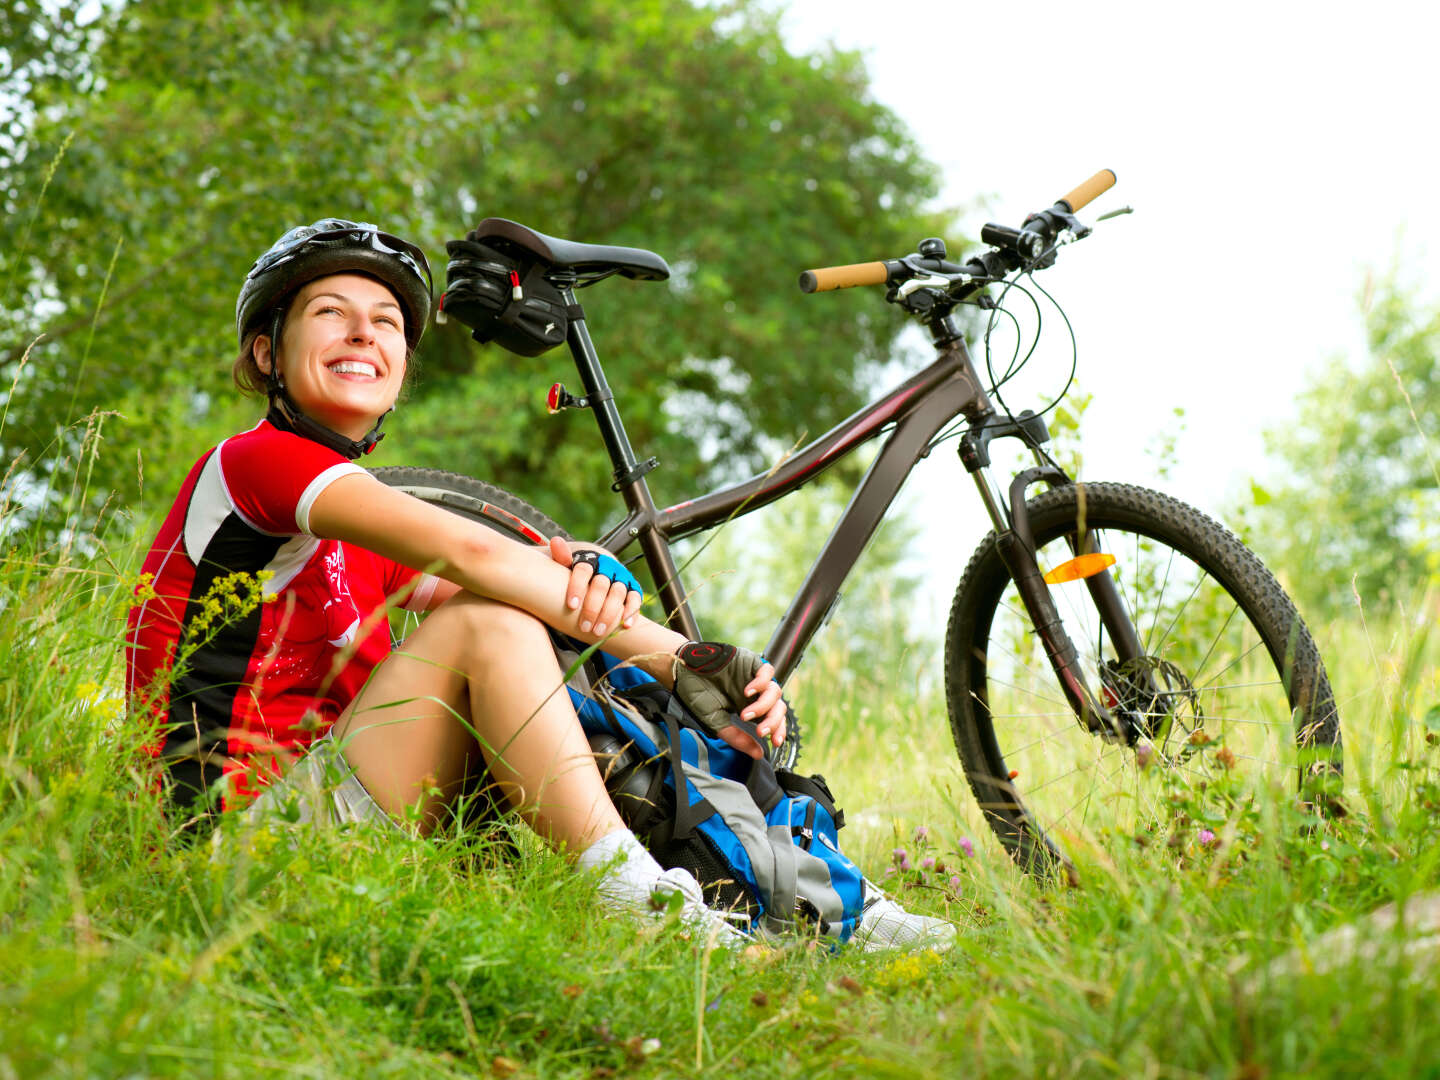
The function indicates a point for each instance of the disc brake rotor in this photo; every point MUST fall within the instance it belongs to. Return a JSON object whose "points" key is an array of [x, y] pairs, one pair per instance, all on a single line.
{"points": [[1154, 700]]}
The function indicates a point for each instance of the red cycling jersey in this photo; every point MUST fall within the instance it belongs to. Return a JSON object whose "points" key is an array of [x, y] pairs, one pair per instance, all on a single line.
{"points": [[239, 685]]}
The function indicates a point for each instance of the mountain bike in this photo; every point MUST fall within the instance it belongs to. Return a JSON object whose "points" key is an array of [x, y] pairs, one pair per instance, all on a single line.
{"points": [[1111, 654]]}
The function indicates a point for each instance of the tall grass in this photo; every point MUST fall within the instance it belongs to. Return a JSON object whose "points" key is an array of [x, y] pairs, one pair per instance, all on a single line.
{"points": [[350, 953]]}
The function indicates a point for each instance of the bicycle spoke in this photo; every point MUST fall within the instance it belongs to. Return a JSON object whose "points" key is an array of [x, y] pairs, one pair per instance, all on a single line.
{"points": [[1088, 796], [1202, 712], [1203, 718], [1031, 693], [1049, 736], [1204, 660], [1211, 687], [1257, 645], [1160, 602], [1025, 716], [1040, 675]]}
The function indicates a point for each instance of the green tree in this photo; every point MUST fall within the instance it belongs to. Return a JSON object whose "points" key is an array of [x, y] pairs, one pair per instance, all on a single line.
{"points": [[199, 132], [1361, 500]]}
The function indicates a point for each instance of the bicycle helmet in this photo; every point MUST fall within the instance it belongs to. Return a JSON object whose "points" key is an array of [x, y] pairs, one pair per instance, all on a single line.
{"points": [[337, 246], [330, 246]]}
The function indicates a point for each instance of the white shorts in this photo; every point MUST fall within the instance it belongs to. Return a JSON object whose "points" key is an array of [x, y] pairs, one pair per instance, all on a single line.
{"points": [[321, 789]]}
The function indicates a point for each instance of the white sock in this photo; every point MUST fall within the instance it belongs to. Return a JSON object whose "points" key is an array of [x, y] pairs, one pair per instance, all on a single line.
{"points": [[628, 869]]}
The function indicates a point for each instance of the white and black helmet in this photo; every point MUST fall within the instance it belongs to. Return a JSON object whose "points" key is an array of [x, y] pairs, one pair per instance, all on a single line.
{"points": [[330, 246], [336, 246]]}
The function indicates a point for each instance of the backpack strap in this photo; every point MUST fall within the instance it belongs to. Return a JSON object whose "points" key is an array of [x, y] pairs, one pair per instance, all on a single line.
{"points": [[785, 888], [653, 817], [763, 786], [806, 832], [659, 706], [814, 786]]}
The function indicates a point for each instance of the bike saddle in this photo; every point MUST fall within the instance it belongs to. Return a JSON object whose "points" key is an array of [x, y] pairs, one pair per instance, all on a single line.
{"points": [[635, 263]]}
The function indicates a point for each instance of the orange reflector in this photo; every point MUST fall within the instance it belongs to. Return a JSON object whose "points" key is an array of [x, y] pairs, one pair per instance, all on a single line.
{"points": [[1082, 566]]}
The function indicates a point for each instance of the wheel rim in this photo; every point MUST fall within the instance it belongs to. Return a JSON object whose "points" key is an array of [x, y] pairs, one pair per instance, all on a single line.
{"points": [[1204, 715]]}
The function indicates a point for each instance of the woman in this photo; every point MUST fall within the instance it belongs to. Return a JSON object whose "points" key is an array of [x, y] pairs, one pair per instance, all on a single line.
{"points": [[327, 320]]}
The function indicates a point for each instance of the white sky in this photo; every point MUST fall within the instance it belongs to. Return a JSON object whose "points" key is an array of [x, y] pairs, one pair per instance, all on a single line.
{"points": [[1273, 153]]}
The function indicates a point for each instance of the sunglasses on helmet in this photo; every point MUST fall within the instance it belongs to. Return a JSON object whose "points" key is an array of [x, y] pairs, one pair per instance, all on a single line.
{"points": [[349, 233]]}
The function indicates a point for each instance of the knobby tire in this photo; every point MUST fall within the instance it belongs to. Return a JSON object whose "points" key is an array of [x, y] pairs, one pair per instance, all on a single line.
{"points": [[1236, 699]]}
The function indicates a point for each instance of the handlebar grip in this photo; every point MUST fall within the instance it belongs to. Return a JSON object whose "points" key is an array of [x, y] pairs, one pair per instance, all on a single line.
{"points": [[1091, 189], [843, 277]]}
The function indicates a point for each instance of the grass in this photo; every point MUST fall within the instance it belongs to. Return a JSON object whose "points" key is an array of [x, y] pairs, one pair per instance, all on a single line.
{"points": [[319, 954]]}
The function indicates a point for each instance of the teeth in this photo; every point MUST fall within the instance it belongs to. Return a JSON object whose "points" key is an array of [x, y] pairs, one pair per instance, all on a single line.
{"points": [[352, 367]]}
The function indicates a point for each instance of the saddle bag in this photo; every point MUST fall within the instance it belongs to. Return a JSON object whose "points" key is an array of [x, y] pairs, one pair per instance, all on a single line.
{"points": [[762, 842], [503, 299]]}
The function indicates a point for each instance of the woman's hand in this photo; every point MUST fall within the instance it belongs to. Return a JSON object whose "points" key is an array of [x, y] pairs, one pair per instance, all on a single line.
{"points": [[768, 709], [603, 604], [715, 679]]}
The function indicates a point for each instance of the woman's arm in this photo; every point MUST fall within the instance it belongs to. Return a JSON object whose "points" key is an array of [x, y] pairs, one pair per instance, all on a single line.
{"points": [[359, 509], [598, 597]]}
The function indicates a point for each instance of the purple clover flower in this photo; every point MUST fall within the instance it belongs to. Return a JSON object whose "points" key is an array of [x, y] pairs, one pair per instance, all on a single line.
{"points": [[927, 863], [922, 833], [967, 848], [1206, 837]]}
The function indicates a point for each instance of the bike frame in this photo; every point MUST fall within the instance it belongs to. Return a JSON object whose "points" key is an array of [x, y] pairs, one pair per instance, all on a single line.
{"points": [[916, 411]]}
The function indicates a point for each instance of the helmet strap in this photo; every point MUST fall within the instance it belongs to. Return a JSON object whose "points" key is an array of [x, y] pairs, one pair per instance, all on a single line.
{"points": [[274, 382], [286, 415]]}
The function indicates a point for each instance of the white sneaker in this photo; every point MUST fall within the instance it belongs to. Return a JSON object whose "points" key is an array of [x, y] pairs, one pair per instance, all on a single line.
{"points": [[884, 924], [695, 913]]}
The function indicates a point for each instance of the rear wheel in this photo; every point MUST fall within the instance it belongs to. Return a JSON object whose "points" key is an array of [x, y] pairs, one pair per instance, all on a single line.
{"points": [[512, 516], [485, 503], [1228, 699]]}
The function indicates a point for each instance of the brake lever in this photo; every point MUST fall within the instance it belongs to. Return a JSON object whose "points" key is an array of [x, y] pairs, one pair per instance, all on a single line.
{"points": [[1074, 229], [915, 284]]}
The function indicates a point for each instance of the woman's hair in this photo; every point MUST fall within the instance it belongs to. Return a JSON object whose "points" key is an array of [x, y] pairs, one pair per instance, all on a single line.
{"points": [[246, 372]]}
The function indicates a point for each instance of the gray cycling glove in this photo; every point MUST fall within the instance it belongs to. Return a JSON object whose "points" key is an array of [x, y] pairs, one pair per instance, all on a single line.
{"points": [[710, 678]]}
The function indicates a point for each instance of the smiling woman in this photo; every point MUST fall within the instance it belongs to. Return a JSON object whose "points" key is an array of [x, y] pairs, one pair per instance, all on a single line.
{"points": [[260, 645], [344, 352]]}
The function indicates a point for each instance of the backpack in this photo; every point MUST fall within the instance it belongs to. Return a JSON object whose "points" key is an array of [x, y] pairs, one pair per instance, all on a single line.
{"points": [[761, 841]]}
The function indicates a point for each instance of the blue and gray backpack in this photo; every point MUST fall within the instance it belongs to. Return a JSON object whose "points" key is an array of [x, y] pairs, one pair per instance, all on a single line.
{"points": [[761, 841]]}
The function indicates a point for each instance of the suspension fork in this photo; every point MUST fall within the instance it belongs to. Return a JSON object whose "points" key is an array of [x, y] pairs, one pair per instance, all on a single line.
{"points": [[1103, 591], [1016, 545]]}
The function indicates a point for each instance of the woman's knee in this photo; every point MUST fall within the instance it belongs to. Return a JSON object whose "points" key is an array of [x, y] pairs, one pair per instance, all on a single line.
{"points": [[490, 628]]}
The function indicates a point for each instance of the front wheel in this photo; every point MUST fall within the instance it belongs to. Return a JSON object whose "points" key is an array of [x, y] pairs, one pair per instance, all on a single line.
{"points": [[495, 508], [1227, 699]]}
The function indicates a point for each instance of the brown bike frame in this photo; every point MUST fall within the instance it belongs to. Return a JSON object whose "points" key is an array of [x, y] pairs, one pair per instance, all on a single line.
{"points": [[917, 410]]}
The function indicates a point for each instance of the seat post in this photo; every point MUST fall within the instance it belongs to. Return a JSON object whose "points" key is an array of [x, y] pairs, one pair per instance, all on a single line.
{"points": [[628, 473]]}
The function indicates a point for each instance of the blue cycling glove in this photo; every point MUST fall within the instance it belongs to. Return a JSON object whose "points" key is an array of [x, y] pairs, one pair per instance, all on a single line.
{"points": [[608, 566]]}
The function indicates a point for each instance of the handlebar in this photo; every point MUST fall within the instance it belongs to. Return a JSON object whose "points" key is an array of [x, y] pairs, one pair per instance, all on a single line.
{"points": [[1032, 245], [1091, 189], [827, 278]]}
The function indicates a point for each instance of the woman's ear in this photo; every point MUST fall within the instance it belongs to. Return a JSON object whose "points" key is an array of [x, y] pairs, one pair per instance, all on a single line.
{"points": [[260, 350]]}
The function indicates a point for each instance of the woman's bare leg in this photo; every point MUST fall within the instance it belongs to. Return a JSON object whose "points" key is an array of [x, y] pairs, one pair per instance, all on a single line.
{"points": [[477, 668]]}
